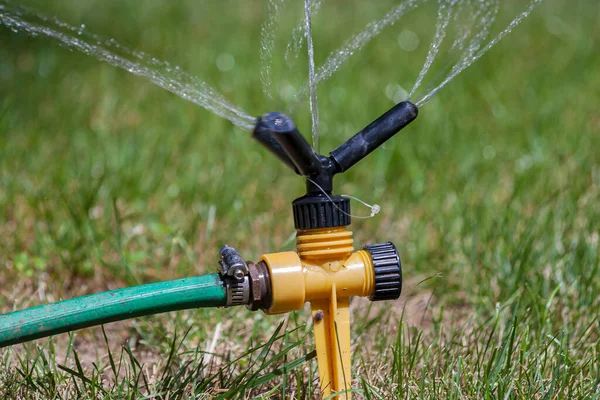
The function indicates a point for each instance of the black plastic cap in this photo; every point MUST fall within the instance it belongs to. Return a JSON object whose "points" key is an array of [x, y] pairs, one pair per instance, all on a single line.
{"points": [[388, 271], [319, 211]]}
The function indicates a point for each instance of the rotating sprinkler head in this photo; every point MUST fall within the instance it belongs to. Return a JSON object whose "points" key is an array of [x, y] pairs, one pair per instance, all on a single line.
{"points": [[278, 133]]}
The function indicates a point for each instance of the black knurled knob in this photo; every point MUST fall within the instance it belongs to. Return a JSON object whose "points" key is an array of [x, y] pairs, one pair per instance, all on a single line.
{"points": [[320, 211], [388, 271]]}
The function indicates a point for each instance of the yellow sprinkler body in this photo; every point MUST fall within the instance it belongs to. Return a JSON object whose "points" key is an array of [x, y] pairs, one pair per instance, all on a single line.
{"points": [[325, 272]]}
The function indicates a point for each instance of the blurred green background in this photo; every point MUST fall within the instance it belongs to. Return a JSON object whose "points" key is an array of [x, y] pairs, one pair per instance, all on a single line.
{"points": [[106, 179]]}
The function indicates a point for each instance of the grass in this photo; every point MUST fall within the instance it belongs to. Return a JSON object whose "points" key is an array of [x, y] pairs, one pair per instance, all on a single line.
{"points": [[491, 197]]}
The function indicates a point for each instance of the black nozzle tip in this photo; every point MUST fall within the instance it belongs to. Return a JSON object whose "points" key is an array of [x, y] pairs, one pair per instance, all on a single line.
{"points": [[275, 122], [264, 133], [411, 109], [278, 132], [399, 116]]}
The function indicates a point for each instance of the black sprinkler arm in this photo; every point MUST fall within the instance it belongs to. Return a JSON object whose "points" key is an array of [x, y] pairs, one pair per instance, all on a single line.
{"points": [[279, 134], [262, 133], [290, 140], [374, 135]]}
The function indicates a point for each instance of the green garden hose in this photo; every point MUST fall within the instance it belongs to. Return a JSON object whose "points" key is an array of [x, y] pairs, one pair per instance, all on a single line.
{"points": [[115, 305]]}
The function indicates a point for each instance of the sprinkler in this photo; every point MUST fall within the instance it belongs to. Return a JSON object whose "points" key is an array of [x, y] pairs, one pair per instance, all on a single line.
{"points": [[324, 270]]}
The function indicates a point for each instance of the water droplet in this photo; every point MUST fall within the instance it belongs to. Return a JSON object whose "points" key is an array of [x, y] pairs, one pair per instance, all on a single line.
{"points": [[287, 92], [489, 153], [225, 62], [408, 40], [395, 92], [524, 163], [173, 190]]}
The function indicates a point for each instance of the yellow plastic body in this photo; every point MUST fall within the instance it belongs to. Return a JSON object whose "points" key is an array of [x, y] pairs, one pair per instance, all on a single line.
{"points": [[325, 272]]}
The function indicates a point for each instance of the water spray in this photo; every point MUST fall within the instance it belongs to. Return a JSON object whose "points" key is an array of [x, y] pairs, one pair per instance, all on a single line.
{"points": [[324, 270]]}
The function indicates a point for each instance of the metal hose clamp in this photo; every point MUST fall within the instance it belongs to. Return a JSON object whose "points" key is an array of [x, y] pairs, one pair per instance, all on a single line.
{"points": [[234, 272]]}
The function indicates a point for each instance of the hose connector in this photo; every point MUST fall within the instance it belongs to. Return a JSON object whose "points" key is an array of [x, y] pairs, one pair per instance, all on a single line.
{"points": [[246, 283]]}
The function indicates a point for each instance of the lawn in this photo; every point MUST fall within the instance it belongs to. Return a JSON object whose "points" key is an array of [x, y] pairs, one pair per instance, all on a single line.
{"points": [[492, 197]]}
